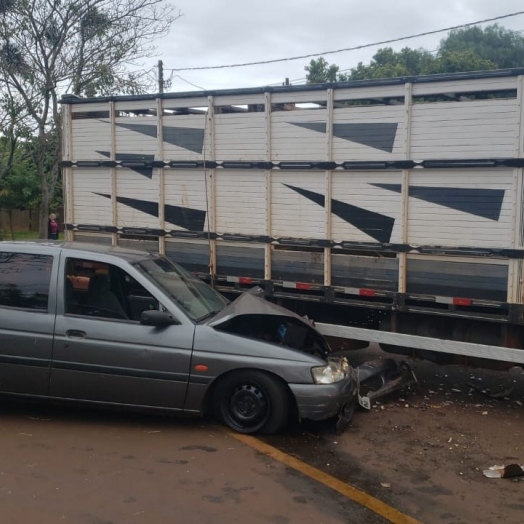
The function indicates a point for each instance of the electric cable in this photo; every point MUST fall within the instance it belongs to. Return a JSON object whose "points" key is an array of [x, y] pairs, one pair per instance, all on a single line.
{"points": [[354, 48]]}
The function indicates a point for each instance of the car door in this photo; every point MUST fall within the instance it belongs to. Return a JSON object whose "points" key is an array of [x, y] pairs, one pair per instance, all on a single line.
{"points": [[27, 316], [100, 356]]}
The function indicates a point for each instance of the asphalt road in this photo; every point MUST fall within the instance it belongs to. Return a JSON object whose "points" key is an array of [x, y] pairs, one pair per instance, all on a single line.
{"points": [[418, 453], [97, 467]]}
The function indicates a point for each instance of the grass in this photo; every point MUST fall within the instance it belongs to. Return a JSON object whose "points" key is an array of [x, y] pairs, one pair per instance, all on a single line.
{"points": [[22, 235], [26, 235]]}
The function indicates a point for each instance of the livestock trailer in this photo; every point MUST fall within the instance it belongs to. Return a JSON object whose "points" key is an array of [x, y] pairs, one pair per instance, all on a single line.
{"points": [[389, 210]]}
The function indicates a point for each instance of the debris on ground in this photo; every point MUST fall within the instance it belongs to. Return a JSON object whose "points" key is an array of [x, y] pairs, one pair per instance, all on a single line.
{"points": [[486, 391], [504, 472]]}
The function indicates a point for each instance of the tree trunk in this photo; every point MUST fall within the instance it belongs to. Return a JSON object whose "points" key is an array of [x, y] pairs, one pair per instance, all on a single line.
{"points": [[10, 214], [43, 215]]}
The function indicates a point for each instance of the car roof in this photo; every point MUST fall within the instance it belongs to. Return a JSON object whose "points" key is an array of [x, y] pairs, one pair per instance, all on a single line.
{"points": [[77, 248]]}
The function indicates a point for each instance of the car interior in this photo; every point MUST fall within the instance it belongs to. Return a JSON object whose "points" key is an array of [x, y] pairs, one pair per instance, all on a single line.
{"points": [[102, 290]]}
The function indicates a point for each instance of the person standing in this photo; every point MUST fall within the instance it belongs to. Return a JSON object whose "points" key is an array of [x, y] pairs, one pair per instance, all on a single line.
{"points": [[52, 227]]}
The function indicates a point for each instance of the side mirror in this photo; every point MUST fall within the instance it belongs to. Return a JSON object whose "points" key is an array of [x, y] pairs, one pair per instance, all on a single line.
{"points": [[157, 318]]}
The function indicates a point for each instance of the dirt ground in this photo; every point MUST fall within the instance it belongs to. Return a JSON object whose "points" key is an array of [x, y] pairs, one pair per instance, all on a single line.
{"points": [[423, 450]]}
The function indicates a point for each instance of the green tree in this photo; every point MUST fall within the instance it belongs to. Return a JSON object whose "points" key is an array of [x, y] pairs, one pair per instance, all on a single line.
{"points": [[50, 47], [320, 72], [387, 63], [469, 49], [502, 47], [20, 188]]}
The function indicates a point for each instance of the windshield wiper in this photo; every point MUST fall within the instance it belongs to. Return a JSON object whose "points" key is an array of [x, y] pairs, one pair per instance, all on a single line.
{"points": [[207, 315]]}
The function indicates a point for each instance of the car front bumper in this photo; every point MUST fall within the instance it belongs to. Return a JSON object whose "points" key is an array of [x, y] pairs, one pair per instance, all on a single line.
{"points": [[322, 401]]}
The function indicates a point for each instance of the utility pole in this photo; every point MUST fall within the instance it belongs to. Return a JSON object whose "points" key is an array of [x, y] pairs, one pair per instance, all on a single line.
{"points": [[160, 76]]}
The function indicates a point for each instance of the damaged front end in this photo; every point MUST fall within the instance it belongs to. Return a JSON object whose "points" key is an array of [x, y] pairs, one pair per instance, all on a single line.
{"points": [[251, 316], [392, 376]]}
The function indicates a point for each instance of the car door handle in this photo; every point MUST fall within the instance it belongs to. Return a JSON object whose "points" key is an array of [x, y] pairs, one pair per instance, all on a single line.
{"points": [[73, 333]]}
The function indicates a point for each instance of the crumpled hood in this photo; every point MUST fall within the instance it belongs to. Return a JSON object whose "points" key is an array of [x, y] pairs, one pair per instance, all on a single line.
{"points": [[250, 304]]}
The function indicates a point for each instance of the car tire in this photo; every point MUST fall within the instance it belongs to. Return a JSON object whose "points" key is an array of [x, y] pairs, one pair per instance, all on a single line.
{"points": [[252, 402]]}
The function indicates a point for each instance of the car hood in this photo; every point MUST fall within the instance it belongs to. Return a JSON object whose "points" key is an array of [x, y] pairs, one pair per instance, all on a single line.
{"points": [[250, 304]]}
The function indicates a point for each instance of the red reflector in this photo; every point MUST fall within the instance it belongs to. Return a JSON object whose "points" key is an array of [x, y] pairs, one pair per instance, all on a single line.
{"points": [[302, 285], [201, 367], [245, 280], [366, 292], [462, 301]]}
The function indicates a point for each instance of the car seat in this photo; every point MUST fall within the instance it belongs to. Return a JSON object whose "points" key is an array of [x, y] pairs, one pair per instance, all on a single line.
{"points": [[100, 296]]}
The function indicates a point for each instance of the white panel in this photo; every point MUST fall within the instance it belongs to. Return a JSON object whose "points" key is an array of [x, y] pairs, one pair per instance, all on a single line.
{"points": [[88, 137], [88, 207], [299, 97], [464, 86], [475, 129], [143, 191], [240, 202], [186, 189], [90, 107], [362, 93], [194, 101], [344, 150], [238, 99], [136, 105], [293, 215], [240, 136], [433, 224], [135, 142], [357, 190], [291, 142]]}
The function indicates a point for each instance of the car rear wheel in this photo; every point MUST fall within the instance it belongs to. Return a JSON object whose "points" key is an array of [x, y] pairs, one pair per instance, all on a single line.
{"points": [[251, 402]]}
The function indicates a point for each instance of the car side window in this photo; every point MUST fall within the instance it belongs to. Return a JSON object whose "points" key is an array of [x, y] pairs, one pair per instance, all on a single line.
{"points": [[24, 280], [97, 289]]}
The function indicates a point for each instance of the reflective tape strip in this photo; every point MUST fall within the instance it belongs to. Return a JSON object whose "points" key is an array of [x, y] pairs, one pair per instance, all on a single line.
{"points": [[239, 280]]}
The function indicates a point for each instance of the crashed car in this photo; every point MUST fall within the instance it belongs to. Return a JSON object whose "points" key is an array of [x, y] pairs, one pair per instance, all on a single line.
{"points": [[103, 325]]}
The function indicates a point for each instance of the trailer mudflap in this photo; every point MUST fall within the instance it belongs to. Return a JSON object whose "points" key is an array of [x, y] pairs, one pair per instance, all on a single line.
{"points": [[393, 377]]}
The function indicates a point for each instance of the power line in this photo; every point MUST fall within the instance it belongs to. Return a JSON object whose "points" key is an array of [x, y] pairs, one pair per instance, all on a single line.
{"points": [[355, 48], [188, 82]]}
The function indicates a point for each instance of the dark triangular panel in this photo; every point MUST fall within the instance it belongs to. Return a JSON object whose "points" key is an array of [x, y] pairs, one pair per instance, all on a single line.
{"points": [[485, 203], [191, 219], [319, 127], [372, 134], [186, 137], [144, 129], [373, 224], [134, 157]]}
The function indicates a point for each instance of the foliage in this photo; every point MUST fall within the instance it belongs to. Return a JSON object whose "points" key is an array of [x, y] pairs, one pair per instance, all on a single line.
{"points": [[20, 188], [470, 49], [319, 71], [83, 47], [502, 47]]}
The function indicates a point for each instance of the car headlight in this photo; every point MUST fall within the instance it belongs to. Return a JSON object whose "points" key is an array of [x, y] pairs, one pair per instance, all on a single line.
{"points": [[328, 374]]}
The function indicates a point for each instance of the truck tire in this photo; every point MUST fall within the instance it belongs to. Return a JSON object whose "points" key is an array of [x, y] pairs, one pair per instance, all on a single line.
{"points": [[252, 402]]}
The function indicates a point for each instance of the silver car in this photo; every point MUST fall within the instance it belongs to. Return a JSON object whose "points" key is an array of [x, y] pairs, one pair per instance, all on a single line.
{"points": [[104, 325]]}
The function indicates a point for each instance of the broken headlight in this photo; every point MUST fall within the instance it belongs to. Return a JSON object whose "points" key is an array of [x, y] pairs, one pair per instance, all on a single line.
{"points": [[328, 374]]}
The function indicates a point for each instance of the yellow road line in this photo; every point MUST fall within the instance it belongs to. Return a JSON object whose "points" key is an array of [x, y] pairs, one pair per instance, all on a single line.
{"points": [[348, 491]]}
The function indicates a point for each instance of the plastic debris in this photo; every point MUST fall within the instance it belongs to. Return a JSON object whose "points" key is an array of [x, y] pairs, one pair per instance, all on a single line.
{"points": [[497, 395], [385, 484], [504, 472]]}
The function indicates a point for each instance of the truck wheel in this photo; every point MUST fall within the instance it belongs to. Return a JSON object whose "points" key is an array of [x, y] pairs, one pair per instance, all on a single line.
{"points": [[251, 402]]}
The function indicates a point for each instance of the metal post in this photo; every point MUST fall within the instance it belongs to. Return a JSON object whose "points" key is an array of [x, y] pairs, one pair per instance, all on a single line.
{"points": [[160, 76]]}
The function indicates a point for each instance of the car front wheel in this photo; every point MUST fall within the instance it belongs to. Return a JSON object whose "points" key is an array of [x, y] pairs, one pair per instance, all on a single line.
{"points": [[251, 402]]}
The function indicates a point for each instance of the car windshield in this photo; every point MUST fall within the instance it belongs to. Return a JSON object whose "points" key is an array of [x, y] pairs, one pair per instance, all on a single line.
{"points": [[196, 298]]}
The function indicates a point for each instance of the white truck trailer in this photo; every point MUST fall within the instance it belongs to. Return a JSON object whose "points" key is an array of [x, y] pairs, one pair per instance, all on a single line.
{"points": [[387, 210]]}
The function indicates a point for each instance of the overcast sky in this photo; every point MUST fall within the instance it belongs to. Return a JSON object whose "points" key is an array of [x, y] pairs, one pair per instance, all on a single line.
{"points": [[221, 32]]}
